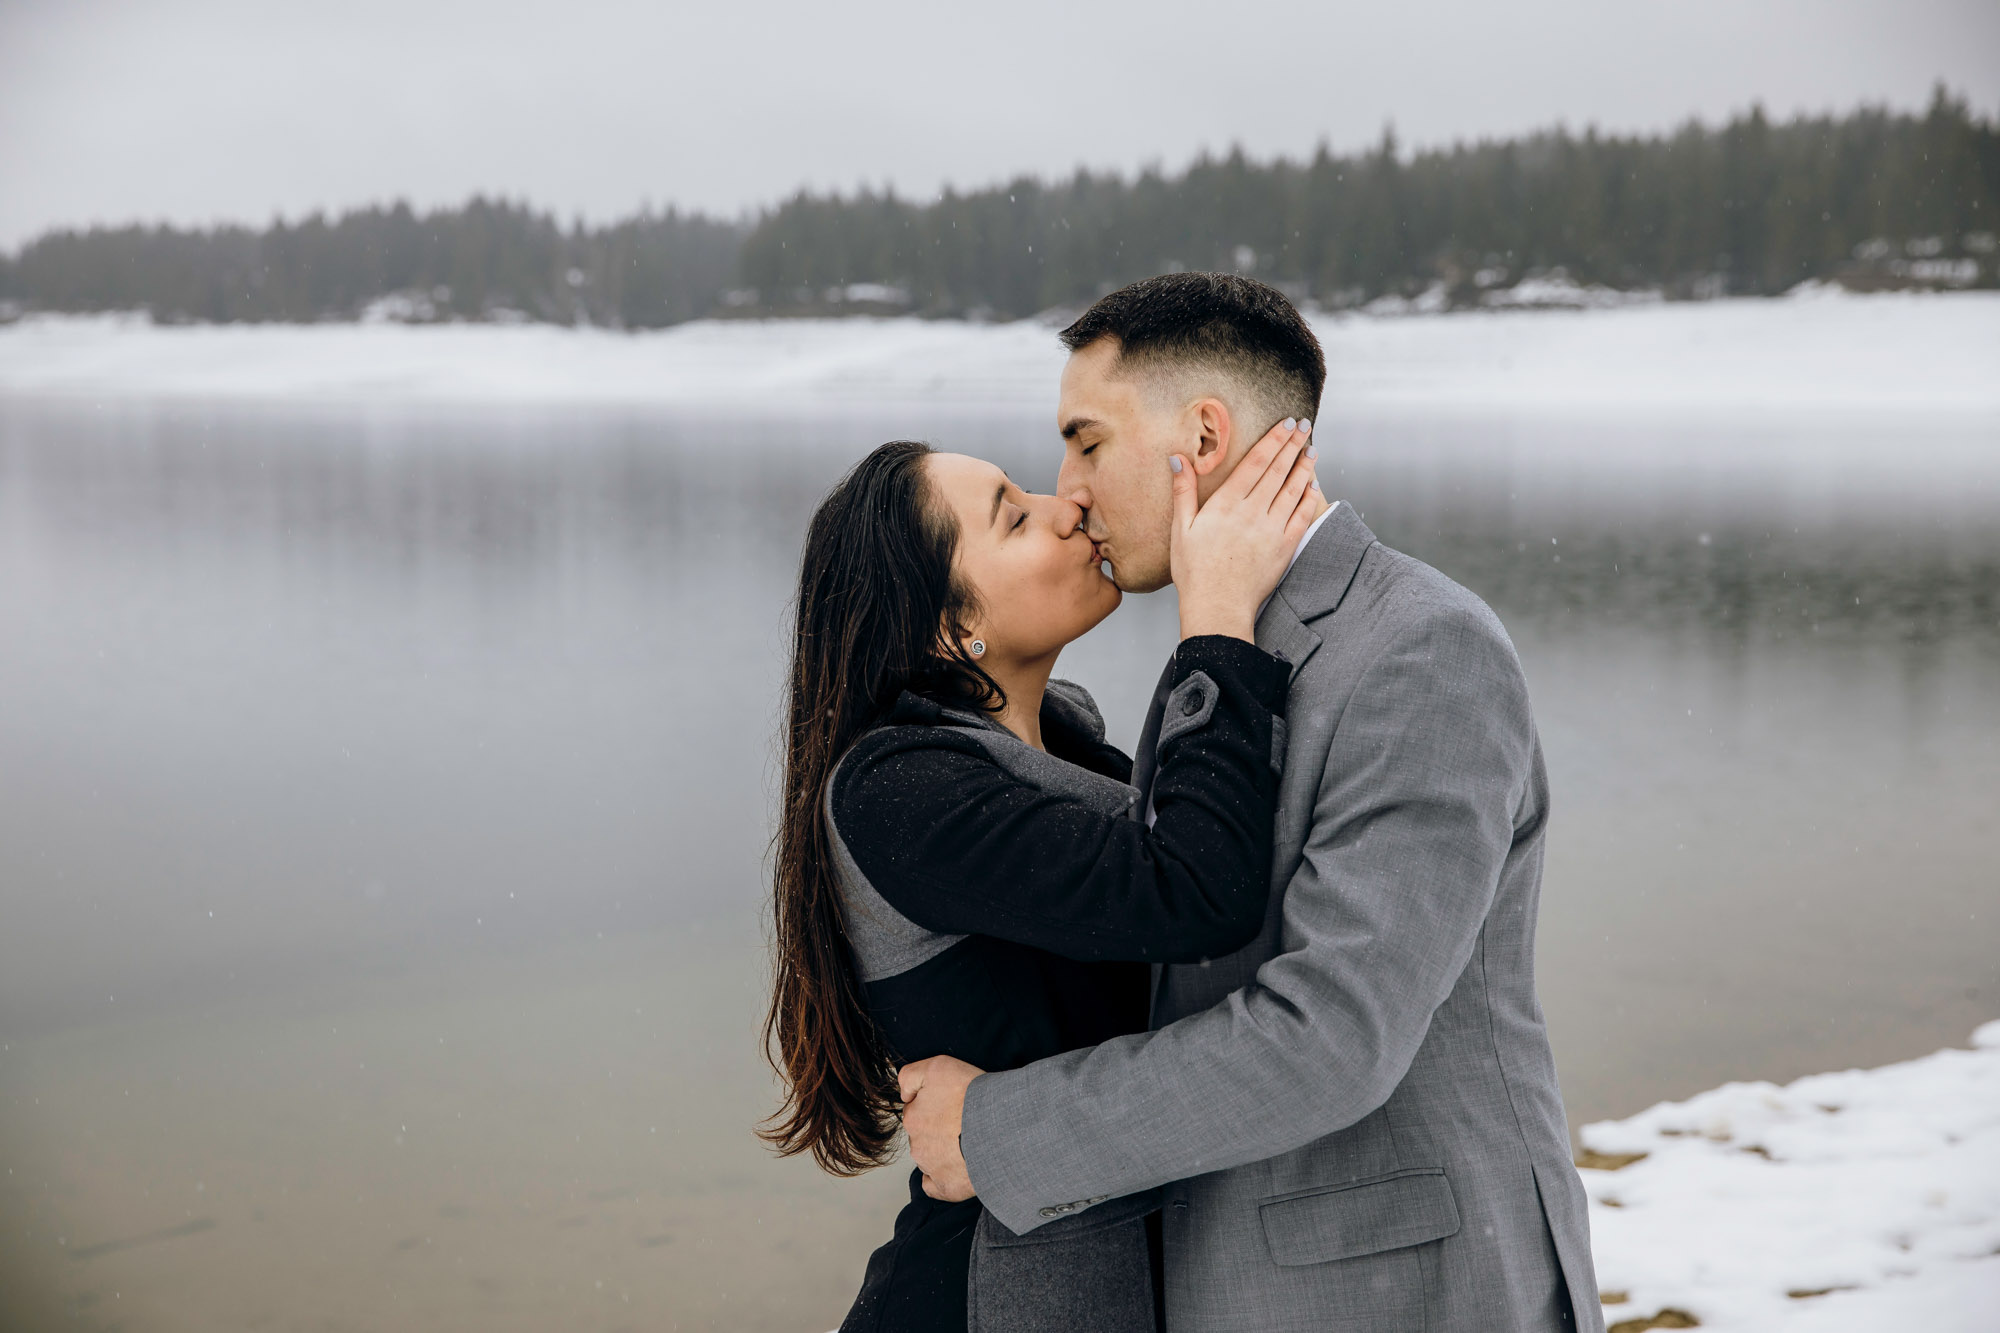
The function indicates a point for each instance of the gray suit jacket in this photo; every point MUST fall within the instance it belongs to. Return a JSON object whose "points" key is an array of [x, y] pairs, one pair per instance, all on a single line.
{"points": [[1356, 1118]]}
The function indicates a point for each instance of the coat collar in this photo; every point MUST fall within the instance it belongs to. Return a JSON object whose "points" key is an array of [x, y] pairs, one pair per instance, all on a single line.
{"points": [[1317, 582], [1072, 728]]}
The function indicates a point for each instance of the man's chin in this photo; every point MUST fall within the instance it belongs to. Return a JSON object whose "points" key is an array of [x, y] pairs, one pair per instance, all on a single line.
{"points": [[1137, 585]]}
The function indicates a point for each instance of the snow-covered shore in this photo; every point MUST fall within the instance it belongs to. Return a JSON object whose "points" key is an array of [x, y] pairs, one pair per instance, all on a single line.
{"points": [[1841, 1203], [1900, 354]]}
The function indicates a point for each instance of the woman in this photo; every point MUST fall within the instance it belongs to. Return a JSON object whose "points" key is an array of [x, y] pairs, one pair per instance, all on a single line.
{"points": [[962, 866]]}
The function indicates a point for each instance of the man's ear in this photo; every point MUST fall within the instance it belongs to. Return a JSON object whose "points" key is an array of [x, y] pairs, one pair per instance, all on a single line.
{"points": [[1213, 434]]}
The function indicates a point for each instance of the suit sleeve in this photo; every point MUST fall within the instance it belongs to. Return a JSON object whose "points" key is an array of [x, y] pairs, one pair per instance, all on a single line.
{"points": [[1412, 824], [959, 845]]}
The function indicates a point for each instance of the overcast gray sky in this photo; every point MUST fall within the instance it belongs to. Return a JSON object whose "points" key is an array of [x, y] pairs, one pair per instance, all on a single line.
{"points": [[197, 110]]}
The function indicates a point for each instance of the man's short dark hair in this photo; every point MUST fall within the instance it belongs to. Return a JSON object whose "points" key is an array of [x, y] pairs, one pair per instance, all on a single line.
{"points": [[1239, 326]]}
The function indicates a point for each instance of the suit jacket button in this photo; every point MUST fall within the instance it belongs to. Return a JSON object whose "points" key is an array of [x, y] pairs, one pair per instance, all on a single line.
{"points": [[1048, 1212]]}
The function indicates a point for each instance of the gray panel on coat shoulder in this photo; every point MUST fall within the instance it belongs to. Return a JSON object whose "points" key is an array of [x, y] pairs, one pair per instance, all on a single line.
{"points": [[885, 942]]}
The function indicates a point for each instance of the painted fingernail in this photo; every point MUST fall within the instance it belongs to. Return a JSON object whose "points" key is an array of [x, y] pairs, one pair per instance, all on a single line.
{"points": [[1312, 451], [1315, 483], [1288, 423], [1306, 425], [1174, 462]]}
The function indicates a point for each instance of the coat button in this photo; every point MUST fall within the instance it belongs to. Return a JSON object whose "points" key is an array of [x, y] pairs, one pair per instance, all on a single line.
{"points": [[1048, 1212], [1192, 704]]}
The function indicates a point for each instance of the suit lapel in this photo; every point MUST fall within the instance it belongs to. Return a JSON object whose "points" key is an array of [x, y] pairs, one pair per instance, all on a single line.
{"points": [[1324, 571], [1316, 584], [1282, 634]]}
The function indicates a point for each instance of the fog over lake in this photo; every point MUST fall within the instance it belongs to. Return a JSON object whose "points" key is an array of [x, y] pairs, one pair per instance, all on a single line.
{"points": [[385, 792]]}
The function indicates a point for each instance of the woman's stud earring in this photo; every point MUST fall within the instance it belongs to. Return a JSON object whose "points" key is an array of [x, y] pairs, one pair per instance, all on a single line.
{"points": [[979, 647]]}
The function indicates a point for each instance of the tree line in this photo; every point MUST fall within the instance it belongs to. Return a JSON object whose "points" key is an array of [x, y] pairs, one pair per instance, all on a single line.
{"points": [[489, 259], [1753, 206]]}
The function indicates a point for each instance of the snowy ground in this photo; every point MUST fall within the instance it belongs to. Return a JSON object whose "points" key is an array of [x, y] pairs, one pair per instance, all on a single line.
{"points": [[1901, 354], [1862, 1202]]}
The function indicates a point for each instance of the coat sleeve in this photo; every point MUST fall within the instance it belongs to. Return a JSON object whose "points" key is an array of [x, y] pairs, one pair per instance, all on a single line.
{"points": [[959, 845], [1412, 824]]}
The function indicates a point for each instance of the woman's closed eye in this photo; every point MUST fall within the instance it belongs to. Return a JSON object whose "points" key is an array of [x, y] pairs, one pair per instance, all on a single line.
{"points": [[1019, 519]]}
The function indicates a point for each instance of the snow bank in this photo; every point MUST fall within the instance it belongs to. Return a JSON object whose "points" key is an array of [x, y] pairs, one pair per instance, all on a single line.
{"points": [[733, 363], [1899, 353], [1868, 1200]]}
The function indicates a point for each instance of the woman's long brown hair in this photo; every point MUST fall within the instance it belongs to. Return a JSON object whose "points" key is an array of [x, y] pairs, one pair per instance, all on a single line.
{"points": [[879, 611]]}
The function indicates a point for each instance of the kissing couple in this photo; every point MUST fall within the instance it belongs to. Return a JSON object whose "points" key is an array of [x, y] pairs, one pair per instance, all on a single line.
{"points": [[1239, 1033]]}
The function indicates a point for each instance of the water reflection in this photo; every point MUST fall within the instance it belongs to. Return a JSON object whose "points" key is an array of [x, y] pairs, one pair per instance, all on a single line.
{"points": [[374, 782]]}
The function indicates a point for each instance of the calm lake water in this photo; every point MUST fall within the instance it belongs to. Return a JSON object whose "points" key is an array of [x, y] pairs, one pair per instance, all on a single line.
{"points": [[384, 796]]}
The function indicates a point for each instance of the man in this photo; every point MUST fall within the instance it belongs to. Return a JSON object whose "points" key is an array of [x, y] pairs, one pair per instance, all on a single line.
{"points": [[1356, 1118]]}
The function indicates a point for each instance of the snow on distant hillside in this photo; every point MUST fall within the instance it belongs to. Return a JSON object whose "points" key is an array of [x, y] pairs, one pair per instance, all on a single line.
{"points": [[1841, 1203], [1899, 353]]}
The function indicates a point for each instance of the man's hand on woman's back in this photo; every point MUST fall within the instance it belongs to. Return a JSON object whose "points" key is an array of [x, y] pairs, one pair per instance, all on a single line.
{"points": [[933, 1109]]}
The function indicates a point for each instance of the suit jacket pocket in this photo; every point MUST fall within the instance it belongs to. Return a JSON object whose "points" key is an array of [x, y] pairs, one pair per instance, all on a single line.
{"points": [[1346, 1221]]}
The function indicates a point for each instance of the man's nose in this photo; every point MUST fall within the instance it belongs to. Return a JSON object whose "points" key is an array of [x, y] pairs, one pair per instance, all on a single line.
{"points": [[1073, 493], [1068, 516], [1070, 486]]}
